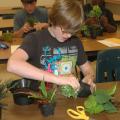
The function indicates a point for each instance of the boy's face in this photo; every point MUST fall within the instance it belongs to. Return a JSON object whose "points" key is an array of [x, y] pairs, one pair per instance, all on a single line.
{"points": [[30, 7], [60, 34]]}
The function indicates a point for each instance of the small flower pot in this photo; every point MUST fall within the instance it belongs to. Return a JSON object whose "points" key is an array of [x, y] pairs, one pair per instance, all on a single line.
{"points": [[47, 109], [21, 90], [85, 90]]}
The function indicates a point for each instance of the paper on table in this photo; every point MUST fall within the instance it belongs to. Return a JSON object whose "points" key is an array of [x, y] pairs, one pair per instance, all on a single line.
{"points": [[14, 47], [110, 42]]}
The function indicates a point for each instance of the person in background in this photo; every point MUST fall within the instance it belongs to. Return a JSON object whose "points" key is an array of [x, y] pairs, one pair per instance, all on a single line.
{"points": [[106, 19], [39, 15], [52, 53]]}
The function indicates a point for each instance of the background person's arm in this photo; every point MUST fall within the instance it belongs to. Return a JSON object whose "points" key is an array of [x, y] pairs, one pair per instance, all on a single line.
{"points": [[26, 28]]}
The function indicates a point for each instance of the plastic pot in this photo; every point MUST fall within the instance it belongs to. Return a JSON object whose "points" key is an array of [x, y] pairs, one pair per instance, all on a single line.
{"points": [[47, 109], [85, 90], [22, 99], [21, 88]]}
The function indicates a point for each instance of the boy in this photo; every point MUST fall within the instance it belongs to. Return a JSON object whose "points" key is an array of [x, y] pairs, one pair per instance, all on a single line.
{"points": [[30, 10], [53, 53], [106, 19]]}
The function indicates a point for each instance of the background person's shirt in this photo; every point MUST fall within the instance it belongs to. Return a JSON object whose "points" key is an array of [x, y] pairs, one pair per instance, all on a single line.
{"points": [[40, 14]]}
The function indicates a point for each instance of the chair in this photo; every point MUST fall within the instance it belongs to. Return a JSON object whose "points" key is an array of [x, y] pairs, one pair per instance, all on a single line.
{"points": [[108, 65]]}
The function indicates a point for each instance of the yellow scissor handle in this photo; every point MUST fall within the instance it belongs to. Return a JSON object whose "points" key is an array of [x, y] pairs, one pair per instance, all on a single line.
{"points": [[79, 114]]}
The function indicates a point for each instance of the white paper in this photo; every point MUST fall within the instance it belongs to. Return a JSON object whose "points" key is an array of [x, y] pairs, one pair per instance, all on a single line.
{"points": [[110, 42], [14, 47]]}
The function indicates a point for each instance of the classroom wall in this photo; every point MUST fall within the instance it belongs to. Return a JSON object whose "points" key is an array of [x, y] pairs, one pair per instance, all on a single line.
{"points": [[17, 3]]}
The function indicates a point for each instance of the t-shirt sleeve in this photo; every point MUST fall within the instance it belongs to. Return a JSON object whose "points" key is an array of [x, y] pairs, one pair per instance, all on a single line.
{"points": [[82, 58], [29, 45]]}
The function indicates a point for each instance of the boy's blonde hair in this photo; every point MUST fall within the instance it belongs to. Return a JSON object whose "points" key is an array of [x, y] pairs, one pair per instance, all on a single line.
{"points": [[67, 14]]}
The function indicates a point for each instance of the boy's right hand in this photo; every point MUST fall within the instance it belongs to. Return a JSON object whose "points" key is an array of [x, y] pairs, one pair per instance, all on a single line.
{"points": [[69, 80], [26, 28]]}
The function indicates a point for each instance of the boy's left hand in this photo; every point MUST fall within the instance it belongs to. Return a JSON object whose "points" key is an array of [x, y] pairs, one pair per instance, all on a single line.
{"points": [[91, 83]]}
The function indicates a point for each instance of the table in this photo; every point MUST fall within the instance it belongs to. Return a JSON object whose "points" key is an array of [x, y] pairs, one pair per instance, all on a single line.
{"points": [[7, 11], [6, 23], [31, 112], [6, 53]]}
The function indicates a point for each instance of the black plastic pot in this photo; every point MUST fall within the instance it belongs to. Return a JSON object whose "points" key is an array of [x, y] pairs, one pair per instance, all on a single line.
{"points": [[21, 88], [85, 90], [22, 99], [47, 109]]}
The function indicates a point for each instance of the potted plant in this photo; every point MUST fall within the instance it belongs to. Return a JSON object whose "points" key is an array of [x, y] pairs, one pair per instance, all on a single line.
{"points": [[46, 98], [92, 27], [68, 91], [7, 37], [31, 21], [22, 89], [4, 89]]}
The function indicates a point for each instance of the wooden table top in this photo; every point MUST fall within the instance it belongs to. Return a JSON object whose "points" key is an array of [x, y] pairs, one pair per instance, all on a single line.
{"points": [[93, 44], [32, 112], [8, 10], [6, 23], [5, 53]]}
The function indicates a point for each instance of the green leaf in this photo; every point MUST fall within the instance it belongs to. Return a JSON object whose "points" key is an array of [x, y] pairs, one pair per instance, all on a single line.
{"points": [[68, 91], [99, 108], [102, 98], [43, 89], [112, 90], [90, 102], [109, 107]]}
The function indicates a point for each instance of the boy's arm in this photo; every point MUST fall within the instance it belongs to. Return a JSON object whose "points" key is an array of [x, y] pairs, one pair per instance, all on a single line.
{"points": [[89, 75], [18, 64]]}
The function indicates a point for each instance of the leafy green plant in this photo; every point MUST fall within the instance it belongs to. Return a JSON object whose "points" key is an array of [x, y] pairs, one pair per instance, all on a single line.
{"points": [[100, 101], [31, 21], [68, 91], [8, 36], [5, 86], [85, 29], [44, 96], [95, 12]]}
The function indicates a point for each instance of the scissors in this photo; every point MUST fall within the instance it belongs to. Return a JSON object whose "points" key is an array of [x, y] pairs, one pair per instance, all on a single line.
{"points": [[78, 114]]}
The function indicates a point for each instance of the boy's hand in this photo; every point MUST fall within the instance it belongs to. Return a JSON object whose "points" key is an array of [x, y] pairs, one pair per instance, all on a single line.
{"points": [[104, 20], [90, 82], [70, 80], [26, 28]]}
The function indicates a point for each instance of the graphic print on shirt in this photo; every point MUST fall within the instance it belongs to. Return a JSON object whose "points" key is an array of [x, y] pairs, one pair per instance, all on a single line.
{"points": [[59, 60]]}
